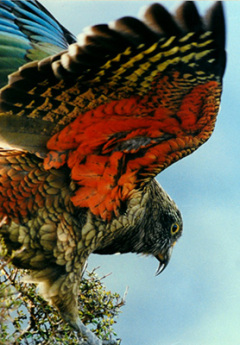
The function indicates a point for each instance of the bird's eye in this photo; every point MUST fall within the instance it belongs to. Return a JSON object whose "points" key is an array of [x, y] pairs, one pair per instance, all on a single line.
{"points": [[175, 228]]}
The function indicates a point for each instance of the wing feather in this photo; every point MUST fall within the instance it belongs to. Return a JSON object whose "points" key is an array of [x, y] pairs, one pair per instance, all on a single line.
{"points": [[123, 103], [28, 32]]}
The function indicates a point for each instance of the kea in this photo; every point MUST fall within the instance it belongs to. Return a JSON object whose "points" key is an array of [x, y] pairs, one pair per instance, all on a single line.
{"points": [[85, 127]]}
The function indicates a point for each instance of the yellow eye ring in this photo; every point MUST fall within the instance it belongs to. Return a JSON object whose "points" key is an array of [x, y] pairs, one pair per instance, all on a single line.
{"points": [[175, 228]]}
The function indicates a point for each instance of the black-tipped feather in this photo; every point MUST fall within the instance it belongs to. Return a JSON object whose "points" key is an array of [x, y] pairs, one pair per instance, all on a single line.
{"points": [[188, 17], [101, 54], [161, 21]]}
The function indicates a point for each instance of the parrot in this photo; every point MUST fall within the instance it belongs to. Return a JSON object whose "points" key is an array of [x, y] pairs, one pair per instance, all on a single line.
{"points": [[86, 125]]}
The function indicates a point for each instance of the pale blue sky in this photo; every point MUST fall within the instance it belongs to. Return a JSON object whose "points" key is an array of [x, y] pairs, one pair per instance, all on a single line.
{"points": [[196, 300]]}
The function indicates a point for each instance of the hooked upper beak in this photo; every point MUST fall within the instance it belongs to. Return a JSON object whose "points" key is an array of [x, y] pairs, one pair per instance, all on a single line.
{"points": [[163, 260]]}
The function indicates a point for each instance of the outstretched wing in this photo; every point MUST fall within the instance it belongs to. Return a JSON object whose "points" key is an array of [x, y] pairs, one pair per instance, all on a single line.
{"points": [[28, 32], [123, 103]]}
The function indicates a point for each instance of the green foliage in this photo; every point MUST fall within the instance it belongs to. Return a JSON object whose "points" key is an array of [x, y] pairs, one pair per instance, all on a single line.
{"points": [[26, 319]]}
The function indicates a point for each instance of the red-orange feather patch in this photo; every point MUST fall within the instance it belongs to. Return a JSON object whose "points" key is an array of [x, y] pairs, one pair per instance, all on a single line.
{"points": [[121, 107], [96, 144]]}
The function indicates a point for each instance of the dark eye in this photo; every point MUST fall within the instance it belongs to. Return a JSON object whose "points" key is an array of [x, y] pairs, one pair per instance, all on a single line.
{"points": [[174, 228]]}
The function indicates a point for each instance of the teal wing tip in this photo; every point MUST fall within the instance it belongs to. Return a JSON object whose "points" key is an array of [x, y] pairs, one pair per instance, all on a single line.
{"points": [[28, 32]]}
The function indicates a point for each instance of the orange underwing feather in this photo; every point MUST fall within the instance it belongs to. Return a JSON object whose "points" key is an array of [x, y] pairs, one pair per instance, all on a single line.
{"points": [[171, 136], [117, 110]]}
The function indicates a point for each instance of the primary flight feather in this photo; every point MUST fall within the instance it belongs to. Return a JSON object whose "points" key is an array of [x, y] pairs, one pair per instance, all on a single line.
{"points": [[86, 126]]}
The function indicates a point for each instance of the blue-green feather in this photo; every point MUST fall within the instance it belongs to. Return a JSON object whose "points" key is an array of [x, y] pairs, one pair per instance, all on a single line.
{"points": [[28, 32]]}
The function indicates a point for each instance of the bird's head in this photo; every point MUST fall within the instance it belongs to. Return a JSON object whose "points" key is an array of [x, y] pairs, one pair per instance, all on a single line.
{"points": [[151, 225], [161, 226]]}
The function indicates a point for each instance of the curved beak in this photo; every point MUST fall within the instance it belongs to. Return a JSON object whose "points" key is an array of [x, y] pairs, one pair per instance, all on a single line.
{"points": [[163, 260]]}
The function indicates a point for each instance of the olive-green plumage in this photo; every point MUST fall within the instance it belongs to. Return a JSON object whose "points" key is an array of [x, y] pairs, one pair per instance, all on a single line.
{"points": [[85, 131], [56, 237]]}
